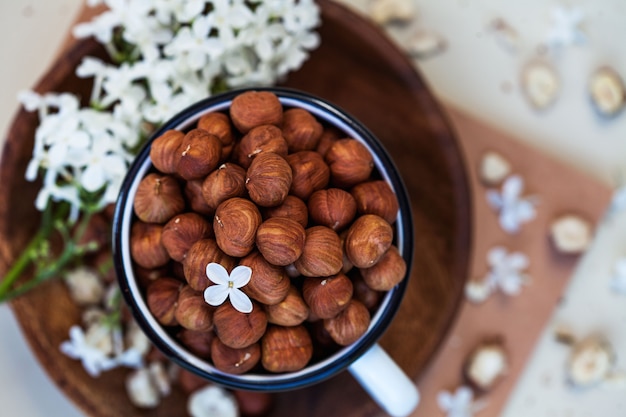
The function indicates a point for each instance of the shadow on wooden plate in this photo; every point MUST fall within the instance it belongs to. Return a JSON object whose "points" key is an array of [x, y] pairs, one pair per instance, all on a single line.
{"points": [[360, 70]]}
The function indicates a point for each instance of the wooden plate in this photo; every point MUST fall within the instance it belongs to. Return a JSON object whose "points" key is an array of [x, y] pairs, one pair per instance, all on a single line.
{"points": [[359, 69]]}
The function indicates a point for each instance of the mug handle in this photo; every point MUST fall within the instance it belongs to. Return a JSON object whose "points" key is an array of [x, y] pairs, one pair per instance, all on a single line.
{"points": [[385, 382]]}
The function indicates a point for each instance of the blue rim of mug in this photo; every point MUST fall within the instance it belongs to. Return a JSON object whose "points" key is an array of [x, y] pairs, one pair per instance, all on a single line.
{"points": [[168, 344]]}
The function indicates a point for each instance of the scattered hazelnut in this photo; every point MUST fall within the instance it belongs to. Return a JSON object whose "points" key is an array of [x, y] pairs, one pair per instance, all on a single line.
{"points": [[146, 248], [540, 83], [387, 11], [234, 361], [192, 312], [158, 198], [494, 168], [286, 349], [235, 224], [226, 182], [291, 311], [202, 253], [486, 365], [218, 125], [182, 231], [350, 163], [261, 139], [255, 108], [425, 43], [607, 91], [369, 237], [301, 130], [164, 151], [198, 343], [211, 401], [200, 152], [376, 197], [332, 207], [162, 297], [193, 194], [310, 173], [238, 330], [564, 334], [571, 234], [280, 240], [326, 297], [85, 286], [350, 324], [292, 207], [268, 179], [322, 255], [590, 361], [387, 272], [254, 403], [269, 284]]}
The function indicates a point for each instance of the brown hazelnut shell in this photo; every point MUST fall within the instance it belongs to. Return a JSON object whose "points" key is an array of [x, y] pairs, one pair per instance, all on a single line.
{"points": [[198, 343], [217, 124], [387, 273], [192, 312], [238, 330], [280, 240], [268, 284], [286, 349], [292, 207], [234, 361], [261, 139], [162, 298], [225, 182], [376, 197], [146, 248], [309, 171], [182, 231], [202, 253], [200, 152], [235, 224], [301, 130], [158, 198], [350, 324], [369, 237], [350, 163], [164, 151], [193, 194], [333, 207], [291, 311], [322, 255], [268, 179], [255, 108], [326, 297]]}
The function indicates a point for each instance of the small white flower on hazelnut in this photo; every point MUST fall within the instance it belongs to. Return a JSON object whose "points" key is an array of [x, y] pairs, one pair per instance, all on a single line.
{"points": [[227, 286]]}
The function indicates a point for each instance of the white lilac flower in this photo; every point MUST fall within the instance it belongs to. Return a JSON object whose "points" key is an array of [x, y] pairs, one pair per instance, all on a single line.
{"points": [[513, 209], [212, 401], [618, 282], [460, 403], [94, 360], [506, 273], [228, 286], [566, 30]]}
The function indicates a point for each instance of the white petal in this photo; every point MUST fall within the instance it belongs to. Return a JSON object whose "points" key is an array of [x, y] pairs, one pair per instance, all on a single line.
{"points": [[509, 221], [511, 284], [69, 349], [494, 200], [217, 273], [240, 276], [215, 295], [512, 188], [525, 211], [240, 301], [444, 400], [93, 178], [518, 261], [496, 255]]}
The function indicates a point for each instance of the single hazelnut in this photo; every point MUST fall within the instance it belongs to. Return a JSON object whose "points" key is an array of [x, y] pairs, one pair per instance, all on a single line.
{"points": [[238, 330], [280, 240], [494, 168], [146, 248], [350, 163], [291, 311], [158, 198], [193, 194], [255, 108], [322, 255], [226, 182], [328, 138], [198, 343], [182, 231], [369, 237], [234, 361], [590, 362], [162, 298], [269, 283], [310, 173], [286, 349], [540, 84], [268, 179], [571, 234], [192, 312], [292, 207], [326, 297], [363, 293], [235, 224], [607, 91], [200, 152], [387, 272], [202, 253], [376, 197], [261, 139], [486, 365], [254, 403], [218, 125], [347, 264], [301, 130], [164, 151], [333, 207], [350, 324]]}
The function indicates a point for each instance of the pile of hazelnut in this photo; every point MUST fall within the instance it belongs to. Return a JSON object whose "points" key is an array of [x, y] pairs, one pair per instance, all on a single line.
{"points": [[277, 191]]}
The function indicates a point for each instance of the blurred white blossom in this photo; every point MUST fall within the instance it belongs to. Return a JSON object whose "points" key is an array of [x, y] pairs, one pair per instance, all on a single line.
{"points": [[618, 283], [460, 403], [512, 208]]}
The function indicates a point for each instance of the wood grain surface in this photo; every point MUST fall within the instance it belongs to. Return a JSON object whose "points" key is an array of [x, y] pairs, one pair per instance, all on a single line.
{"points": [[360, 70]]}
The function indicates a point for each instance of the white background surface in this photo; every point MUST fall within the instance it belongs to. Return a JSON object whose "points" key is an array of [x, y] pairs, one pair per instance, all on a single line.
{"points": [[476, 74]]}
